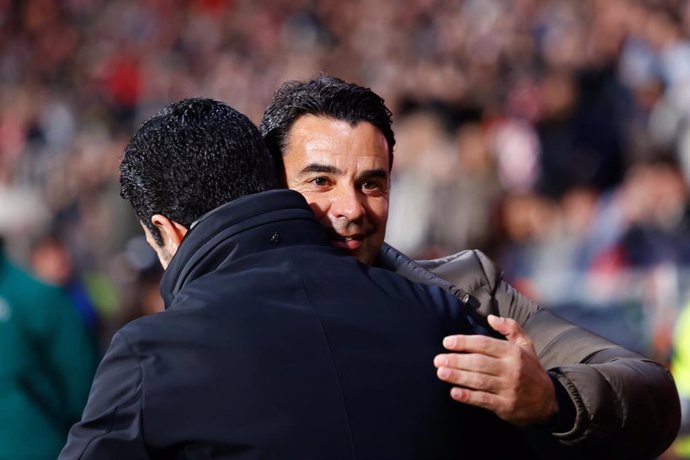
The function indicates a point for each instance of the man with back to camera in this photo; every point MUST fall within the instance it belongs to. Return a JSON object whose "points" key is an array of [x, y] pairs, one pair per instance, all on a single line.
{"points": [[273, 343], [335, 142]]}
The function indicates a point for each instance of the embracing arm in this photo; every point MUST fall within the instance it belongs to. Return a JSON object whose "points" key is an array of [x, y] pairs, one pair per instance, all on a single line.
{"points": [[625, 403], [110, 427], [626, 406]]}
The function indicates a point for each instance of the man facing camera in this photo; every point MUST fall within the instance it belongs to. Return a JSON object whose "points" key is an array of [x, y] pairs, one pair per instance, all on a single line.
{"points": [[589, 396]]}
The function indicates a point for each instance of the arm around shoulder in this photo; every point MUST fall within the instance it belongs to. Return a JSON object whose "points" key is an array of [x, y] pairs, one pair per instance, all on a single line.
{"points": [[626, 405]]}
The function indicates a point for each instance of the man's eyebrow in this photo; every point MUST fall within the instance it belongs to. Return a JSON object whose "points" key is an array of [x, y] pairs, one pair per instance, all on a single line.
{"points": [[374, 174], [319, 168]]}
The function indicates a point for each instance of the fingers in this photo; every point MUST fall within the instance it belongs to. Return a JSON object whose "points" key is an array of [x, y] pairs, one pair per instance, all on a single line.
{"points": [[470, 380], [482, 399], [473, 362], [476, 344], [489, 345], [503, 376], [529, 403], [510, 329], [502, 325]]}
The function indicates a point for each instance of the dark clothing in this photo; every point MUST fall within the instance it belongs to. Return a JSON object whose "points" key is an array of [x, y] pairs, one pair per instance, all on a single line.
{"points": [[626, 405], [276, 345]]}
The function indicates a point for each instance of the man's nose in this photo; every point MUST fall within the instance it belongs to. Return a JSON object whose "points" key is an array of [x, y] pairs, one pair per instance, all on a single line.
{"points": [[347, 203]]}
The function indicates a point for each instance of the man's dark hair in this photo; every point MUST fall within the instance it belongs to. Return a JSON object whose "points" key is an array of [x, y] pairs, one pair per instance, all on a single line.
{"points": [[323, 96], [190, 158]]}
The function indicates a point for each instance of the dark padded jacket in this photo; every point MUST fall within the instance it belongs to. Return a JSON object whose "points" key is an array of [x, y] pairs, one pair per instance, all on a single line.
{"points": [[274, 344], [626, 405]]}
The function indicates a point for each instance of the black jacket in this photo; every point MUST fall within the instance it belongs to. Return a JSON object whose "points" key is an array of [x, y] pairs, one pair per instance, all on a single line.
{"points": [[626, 405], [276, 345]]}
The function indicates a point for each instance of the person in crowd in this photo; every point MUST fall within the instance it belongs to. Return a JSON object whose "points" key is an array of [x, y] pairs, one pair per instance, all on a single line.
{"points": [[52, 262], [46, 365], [273, 343], [334, 141]]}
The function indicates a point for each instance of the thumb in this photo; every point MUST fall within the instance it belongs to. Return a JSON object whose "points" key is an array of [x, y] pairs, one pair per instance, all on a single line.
{"points": [[510, 329]]}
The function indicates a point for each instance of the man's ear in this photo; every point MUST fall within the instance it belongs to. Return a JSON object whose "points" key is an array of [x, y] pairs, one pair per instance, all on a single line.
{"points": [[171, 231]]}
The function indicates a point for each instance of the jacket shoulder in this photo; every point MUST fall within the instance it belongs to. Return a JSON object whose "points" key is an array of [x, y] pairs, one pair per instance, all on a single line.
{"points": [[469, 272], [470, 268]]}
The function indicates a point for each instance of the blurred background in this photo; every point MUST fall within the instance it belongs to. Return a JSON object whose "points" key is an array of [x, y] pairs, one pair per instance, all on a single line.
{"points": [[552, 134]]}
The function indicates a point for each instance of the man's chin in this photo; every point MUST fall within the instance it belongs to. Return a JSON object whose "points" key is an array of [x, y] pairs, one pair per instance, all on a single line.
{"points": [[356, 248]]}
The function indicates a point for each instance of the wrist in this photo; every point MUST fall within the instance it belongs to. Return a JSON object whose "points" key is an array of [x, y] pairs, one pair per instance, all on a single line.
{"points": [[563, 418]]}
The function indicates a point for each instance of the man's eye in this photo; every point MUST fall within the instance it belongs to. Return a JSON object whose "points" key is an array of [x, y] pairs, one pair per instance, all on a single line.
{"points": [[319, 181], [371, 185]]}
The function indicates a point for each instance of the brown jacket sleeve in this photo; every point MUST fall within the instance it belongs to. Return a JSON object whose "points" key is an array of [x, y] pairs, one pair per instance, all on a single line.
{"points": [[626, 405]]}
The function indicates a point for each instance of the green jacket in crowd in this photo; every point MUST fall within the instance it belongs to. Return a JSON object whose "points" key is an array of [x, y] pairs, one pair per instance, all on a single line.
{"points": [[46, 366]]}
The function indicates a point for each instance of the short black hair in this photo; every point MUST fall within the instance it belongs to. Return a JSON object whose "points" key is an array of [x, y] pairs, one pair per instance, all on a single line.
{"points": [[322, 96], [193, 156]]}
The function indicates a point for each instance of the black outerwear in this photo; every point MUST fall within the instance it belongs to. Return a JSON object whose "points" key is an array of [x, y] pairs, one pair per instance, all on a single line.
{"points": [[276, 345]]}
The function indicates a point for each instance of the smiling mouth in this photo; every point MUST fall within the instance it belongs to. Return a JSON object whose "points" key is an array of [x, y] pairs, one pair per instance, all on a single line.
{"points": [[337, 237], [350, 243]]}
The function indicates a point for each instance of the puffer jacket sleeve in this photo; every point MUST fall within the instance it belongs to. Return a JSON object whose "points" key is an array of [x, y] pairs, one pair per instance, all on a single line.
{"points": [[626, 405]]}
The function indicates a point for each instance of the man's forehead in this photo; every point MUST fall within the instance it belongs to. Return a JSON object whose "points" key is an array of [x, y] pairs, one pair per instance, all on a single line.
{"points": [[325, 140]]}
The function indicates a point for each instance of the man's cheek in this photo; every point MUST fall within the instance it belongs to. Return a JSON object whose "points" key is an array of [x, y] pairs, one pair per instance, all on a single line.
{"points": [[317, 207], [381, 216]]}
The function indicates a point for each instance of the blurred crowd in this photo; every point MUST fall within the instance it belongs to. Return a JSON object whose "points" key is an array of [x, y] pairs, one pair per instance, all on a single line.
{"points": [[552, 134]]}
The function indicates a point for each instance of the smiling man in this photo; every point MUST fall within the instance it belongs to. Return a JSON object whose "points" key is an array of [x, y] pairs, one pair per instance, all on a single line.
{"points": [[323, 166], [589, 396]]}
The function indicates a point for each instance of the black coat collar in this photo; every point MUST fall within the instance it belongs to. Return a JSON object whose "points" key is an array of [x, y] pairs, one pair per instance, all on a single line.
{"points": [[251, 224]]}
